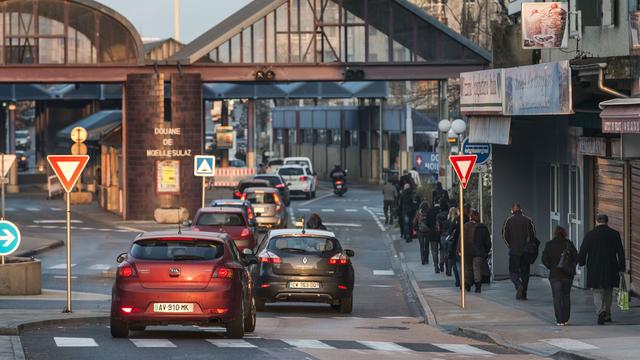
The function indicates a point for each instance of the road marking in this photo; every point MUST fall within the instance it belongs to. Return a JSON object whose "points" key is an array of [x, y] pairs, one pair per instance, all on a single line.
{"points": [[131, 229], [104, 230], [341, 224], [230, 343], [48, 227], [383, 272], [570, 344], [328, 210], [33, 209], [307, 344], [304, 210], [56, 209], [384, 346], [316, 199], [100, 267], [375, 218], [294, 317], [74, 342], [463, 349], [395, 317], [381, 286], [86, 228], [152, 343], [9, 209], [60, 266], [56, 221], [351, 210], [63, 277]]}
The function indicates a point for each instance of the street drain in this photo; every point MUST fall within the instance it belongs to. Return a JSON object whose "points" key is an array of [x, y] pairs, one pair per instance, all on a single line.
{"points": [[383, 327]]}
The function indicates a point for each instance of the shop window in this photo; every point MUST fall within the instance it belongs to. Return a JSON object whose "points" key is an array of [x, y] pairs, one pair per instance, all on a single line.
{"points": [[307, 136], [280, 136], [336, 137], [364, 141], [320, 136], [292, 136]]}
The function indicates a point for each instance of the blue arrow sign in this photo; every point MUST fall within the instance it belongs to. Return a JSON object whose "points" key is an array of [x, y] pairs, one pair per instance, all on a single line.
{"points": [[204, 165], [483, 151], [9, 238]]}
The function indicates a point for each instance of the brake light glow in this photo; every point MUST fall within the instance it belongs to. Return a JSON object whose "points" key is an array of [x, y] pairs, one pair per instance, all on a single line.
{"points": [[280, 186], [267, 257], [250, 213], [237, 193], [127, 271], [217, 311], [243, 196], [304, 178], [343, 287], [264, 286], [339, 182], [223, 273], [276, 198], [130, 309], [339, 259], [245, 233]]}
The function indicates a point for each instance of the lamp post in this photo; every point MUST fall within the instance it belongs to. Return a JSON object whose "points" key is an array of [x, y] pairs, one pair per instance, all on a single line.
{"points": [[457, 128]]}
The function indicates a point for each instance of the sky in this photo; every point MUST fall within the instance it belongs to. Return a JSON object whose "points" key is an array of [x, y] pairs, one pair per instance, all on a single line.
{"points": [[154, 18]]}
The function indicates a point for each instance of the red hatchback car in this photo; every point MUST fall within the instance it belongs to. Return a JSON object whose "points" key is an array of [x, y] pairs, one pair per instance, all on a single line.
{"points": [[232, 221], [187, 278]]}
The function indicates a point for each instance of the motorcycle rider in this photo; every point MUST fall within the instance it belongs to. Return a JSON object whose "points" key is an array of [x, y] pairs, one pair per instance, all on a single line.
{"points": [[338, 174]]}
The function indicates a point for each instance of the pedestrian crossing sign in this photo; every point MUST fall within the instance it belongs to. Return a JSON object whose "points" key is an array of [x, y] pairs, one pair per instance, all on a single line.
{"points": [[204, 165]]}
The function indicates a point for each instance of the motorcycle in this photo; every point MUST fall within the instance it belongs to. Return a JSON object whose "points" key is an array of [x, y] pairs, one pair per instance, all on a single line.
{"points": [[340, 185]]}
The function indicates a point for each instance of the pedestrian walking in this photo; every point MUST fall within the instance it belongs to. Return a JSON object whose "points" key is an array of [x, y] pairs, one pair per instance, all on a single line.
{"points": [[422, 229], [602, 252], [390, 195], [518, 232], [561, 258], [315, 222], [438, 194], [451, 244], [434, 237], [477, 245], [407, 212], [442, 230]]}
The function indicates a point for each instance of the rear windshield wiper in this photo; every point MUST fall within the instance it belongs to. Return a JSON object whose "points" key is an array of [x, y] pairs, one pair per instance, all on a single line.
{"points": [[295, 250], [188, 257]]}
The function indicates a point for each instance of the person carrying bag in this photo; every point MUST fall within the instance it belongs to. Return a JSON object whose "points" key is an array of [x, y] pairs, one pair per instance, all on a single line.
{"points": [[561, 258]]}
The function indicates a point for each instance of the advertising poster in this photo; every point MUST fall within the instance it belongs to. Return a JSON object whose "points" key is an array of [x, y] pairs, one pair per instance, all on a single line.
{"points": [[545, 25], [168, 177], [542, 89], [426, 162], [224, 137], [481, 92]]}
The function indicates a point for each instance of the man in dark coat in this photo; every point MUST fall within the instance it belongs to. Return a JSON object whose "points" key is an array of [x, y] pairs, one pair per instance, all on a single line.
{"points": [[408, 209], [518, 230], [438, 194], [477, 245], [434, 237], [602, 252]]}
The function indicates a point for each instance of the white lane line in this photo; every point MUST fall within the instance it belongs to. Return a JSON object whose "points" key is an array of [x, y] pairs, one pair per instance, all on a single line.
{"points": [[570, 344], [60, 266], [375, 218], [230, 343], [384, 346], [104, 230], [463, 349], [9, 209], [63, 277], [328, 210], [383, 272], [351, 210], [49, 227], [316, 199], [307, 344], [74, 342], [304, 210], [33, 209], [56, 221], [341, 224], [56, 209], [131, 229], [100, 267], [381, 286], [152, 343]]}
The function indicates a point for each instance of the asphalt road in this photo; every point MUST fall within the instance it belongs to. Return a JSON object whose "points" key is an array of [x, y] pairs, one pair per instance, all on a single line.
{"points": [[385, 322]]}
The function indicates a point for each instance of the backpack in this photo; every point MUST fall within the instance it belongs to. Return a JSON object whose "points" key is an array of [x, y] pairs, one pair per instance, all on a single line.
{"points": [[532, 249], [423, 227], [566, 265]]}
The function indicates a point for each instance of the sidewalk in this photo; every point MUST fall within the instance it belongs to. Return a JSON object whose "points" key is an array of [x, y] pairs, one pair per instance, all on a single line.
{"points": [[524, 325]]}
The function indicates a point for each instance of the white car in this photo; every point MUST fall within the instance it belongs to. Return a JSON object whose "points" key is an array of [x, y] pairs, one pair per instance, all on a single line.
{"points": [[304, 161], [273, 165], [300, 180]]}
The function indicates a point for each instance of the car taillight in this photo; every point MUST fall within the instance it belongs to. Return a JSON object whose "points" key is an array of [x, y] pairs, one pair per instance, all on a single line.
{"points": [[237, 193], [276, 199], [250, 213], [223, 273], [339, 182], [339, 259], [245, 233], [130, 309], [126, 270], [243, 196], [280, 186], [267, 257], [304, 178]]}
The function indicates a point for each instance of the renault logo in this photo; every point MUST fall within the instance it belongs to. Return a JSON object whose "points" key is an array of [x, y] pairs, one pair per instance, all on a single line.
{"points": [[174, 271], [304, 260]]}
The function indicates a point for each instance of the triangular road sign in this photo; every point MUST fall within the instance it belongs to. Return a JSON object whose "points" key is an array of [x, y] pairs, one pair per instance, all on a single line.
{"points": [[7, 162], [68, 168], [463, 165]]}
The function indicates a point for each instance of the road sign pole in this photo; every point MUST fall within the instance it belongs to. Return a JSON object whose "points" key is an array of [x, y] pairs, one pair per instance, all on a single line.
{"points": [[480, 181], [2, 179], [204, 190], [462, 267], [68, 309]]}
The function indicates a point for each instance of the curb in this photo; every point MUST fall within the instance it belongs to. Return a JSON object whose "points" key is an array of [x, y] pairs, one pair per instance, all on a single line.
{"points": [[36, 251], [20, 328]]}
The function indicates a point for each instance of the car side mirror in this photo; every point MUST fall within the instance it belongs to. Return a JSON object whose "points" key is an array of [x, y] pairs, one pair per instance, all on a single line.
{"points": [[350, 253], [122, 257]]}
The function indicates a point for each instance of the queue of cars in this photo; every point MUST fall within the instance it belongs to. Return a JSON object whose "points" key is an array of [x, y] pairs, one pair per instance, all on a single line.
{"points": [[210, 275]]}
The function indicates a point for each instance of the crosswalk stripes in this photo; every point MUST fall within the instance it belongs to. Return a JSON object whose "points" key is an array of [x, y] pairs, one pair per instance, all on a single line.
{"points": [[258, 342]]}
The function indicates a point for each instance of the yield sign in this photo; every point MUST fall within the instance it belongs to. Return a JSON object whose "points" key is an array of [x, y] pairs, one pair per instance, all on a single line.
{"points": [[68, 168], [463, 165]]}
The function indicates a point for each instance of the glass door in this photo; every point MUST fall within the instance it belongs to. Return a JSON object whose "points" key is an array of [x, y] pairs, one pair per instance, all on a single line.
{"points": [[574, 218], [554, 201]]}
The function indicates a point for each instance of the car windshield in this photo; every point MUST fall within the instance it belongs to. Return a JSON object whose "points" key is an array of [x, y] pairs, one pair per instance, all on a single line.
{"points": [[274, 180], [290, 171], [276, 162], [220, 219], [189, 249], [298, 162], [250, 184], [306, 244], [261, 198]]}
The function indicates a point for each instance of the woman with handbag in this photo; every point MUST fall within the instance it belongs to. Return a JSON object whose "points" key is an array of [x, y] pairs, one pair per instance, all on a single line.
{"points": [[561, 257]]}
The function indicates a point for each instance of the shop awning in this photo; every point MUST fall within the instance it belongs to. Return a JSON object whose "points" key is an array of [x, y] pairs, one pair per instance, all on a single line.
{"points": [[489, 129], [96, 124], [621, 116]]}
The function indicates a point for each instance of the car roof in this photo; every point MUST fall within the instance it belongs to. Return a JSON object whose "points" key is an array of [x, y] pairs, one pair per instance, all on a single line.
{"points": [[254, 180], [295, 166], [265, 189], [297, 158], [223, 202], [187, 234], [284, 232], [220, 209]]}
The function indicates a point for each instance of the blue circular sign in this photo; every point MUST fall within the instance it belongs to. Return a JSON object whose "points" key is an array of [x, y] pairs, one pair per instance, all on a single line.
{"points": [[9, 238], [483, 151]]}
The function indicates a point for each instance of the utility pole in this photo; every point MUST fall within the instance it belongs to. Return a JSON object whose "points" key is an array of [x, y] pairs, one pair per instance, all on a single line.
{"points": [[176, 19]]}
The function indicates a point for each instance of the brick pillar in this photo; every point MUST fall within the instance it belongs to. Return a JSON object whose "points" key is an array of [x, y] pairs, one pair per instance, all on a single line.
{"points": [[186, 113], [144, 111]]}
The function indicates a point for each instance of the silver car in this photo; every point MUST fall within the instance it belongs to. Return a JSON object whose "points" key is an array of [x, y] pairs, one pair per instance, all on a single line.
{"points": [[269, 208]]}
